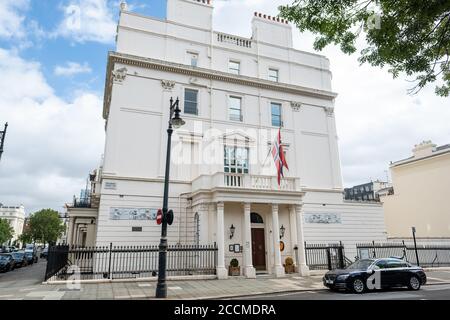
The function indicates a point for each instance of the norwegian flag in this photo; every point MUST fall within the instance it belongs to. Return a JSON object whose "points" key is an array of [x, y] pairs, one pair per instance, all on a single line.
{"points": [[278, 156]]}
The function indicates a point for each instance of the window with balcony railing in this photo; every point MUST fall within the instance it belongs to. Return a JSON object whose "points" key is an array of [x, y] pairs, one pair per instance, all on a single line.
{"points": [[235, 159]]}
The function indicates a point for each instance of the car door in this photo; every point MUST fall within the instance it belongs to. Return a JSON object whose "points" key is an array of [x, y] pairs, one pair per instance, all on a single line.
{"points": [[395, 273], [381, 267]]}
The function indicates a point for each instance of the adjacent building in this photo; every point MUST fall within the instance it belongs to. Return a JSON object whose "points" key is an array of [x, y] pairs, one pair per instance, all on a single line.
{"points": [[235, 94], [16, 217], [421, 189], [368, 191]]}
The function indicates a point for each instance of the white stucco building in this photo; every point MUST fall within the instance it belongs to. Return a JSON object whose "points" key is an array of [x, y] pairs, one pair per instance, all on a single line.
{"points": [[234, 95], [15, 215]]}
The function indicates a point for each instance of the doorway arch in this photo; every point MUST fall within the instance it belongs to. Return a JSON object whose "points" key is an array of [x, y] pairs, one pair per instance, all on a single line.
{"points": [[258, 241]]}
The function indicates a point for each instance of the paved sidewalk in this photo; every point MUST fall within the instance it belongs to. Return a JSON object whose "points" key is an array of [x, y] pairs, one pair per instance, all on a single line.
{"points": [[26, 284], [192, 289]]}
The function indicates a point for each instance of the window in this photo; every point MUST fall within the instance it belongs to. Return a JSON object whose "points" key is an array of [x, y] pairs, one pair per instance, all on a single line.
{"points": [[193, 58], [191, 101], [235, 159], [234, 67], [273, 75], [382, 264], [276, 114], [235, 108], [256, 218]]}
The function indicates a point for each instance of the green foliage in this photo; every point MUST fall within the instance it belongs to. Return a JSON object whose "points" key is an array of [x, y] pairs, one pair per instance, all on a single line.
{"points": [[45, 226], [234, 263], [6, 231], [26, 237], [408, 36]]}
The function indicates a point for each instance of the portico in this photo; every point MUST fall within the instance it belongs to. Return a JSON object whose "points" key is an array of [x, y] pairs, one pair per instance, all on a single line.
{"points": [[245, 224]]}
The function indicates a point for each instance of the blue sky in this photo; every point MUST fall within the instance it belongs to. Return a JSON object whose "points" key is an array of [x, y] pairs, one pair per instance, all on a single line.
{"points": [[52, 70], [51, 52]]}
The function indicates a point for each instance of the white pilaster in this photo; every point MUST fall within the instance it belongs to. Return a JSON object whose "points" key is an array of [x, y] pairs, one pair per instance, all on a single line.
{"points": [[249, 270], [277, 268], [303, 269], [221, 271]]}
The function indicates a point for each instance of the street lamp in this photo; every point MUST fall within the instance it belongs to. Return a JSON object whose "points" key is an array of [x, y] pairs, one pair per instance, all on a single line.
{"points": [[176, 122], [2, 139]]}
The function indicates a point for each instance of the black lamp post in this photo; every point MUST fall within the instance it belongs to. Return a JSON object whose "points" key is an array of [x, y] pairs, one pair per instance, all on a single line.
{"points": [[175, 121], [2, 139]]}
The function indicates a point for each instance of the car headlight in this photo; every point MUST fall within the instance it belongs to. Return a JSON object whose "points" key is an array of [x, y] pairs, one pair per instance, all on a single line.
{"points": [[342, 277]]}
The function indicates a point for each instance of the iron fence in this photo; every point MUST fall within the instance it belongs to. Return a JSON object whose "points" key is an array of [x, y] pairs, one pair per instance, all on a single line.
{"points": [[123, 262], [325, 256], [429, 255]]}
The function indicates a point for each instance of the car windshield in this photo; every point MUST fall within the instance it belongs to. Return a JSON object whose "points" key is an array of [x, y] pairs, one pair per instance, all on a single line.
{"points": [[360, 265]]}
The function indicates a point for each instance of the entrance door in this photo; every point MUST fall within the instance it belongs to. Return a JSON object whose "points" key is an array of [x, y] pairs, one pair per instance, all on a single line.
{"points": [[258, 249]]}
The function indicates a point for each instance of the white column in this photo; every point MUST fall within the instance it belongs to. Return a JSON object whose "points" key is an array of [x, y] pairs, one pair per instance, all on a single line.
{"points": [[249, 270], [293, 233], [303, 269], [221, 271], [70, 232], [277, 267]]}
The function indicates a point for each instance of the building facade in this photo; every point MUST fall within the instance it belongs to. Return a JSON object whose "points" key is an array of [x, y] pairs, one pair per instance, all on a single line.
{"points": [[367, 191], [421, 185], [15, 215], [235, 94]]}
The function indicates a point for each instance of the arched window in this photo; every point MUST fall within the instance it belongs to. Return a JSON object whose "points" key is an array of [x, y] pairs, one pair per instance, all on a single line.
{"points": [[197, 229], [256, 218]]}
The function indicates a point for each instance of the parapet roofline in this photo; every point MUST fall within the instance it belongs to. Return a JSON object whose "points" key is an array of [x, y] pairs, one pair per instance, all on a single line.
{"points": [[149, 63], [439, 151], [216, 31]]}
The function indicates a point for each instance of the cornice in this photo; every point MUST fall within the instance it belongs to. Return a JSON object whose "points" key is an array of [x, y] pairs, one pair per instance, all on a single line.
{"points": [[148, 63]]}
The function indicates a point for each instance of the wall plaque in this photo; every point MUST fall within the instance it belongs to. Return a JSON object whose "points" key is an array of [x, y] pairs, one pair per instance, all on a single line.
{"points": [[132, 214], [110, 185], [326, 218]]}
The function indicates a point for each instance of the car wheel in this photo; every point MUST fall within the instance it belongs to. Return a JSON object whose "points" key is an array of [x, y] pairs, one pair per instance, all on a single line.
{"points": [[414, 283], [358, 286]]}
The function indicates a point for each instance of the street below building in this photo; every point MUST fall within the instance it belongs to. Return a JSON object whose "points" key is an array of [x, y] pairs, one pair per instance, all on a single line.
{"points": [[427, 292]]}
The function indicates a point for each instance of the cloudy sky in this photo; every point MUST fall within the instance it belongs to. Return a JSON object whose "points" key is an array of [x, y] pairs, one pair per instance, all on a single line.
{"points": [[52, 70]]}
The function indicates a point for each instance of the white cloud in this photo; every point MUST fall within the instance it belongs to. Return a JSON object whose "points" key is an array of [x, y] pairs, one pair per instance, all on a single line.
{"points": [[51, 143], [12, 18], [88, 20], [72, 68], [377, 122]]}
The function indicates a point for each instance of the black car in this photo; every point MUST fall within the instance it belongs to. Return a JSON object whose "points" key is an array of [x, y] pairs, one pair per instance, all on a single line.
{"points": [[19, 259], [31, 257], [44, 253], [6, 262], [370, 274]]}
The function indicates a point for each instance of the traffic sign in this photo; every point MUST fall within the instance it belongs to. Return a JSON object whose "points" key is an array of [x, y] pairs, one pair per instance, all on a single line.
{"points": [[159, 216]]}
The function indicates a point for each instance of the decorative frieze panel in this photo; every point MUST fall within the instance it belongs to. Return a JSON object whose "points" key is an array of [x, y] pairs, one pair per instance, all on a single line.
{"points": [[327, 218], [132, 214], [296, 106], [167, 84], [119, 75], [329, 111]]}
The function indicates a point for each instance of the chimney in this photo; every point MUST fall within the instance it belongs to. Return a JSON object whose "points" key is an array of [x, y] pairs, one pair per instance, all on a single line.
{"points": [[269, 29], [423, 149], [196, 13]]}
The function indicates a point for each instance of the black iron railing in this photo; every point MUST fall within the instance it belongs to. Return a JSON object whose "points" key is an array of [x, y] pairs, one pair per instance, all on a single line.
{"points": [[325, 256], [122, 262], [429, 255]]}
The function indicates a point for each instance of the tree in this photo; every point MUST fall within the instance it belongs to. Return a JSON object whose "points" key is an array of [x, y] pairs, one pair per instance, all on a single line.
{"points": [[45, 226], [26, 237], [6, 231], [409, 36]]}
